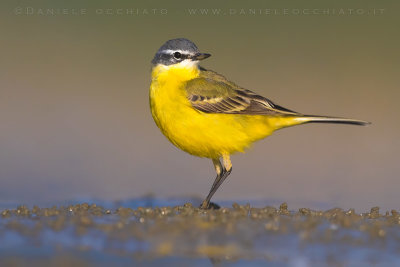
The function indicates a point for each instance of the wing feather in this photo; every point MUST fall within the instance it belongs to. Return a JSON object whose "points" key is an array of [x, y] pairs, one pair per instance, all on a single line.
{"points": [[213, 93]]}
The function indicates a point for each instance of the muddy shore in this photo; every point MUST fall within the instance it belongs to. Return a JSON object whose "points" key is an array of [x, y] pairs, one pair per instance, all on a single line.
{"points": [[240, 235]]}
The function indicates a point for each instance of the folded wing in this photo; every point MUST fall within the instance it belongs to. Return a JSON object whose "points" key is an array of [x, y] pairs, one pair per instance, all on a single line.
{"points": [[213, 93]]}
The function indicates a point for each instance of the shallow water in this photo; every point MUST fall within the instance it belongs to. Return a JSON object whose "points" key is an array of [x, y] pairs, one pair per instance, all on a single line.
{"points": [[163, 232]]}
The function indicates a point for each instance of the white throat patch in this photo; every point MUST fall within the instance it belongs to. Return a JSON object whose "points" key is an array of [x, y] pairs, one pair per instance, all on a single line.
{"points": [[187, 63]]}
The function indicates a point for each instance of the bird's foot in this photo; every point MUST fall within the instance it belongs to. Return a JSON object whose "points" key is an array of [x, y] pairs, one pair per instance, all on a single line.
{"points": [[209, 206]]}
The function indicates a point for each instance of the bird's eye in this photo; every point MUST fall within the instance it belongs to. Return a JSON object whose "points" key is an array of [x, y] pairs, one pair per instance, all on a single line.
{"points": [[177, 55]]}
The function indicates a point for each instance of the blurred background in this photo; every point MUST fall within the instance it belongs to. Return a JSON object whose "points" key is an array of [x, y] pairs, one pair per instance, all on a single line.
{"points": [[74, 109]]}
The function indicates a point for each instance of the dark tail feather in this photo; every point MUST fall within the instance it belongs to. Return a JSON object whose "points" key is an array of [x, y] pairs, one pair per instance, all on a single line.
{"points": [[325, 119]]}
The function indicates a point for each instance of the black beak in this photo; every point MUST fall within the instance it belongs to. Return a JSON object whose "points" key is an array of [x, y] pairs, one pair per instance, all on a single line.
{"points": [[200, 56]]}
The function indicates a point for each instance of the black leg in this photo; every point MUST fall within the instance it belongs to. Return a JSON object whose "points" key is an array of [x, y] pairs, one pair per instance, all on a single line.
{"points": [[217, 183], [222, 171]]}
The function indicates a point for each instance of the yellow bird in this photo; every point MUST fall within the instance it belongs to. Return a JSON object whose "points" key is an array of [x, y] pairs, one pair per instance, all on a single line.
{"points": [[206, 115]]}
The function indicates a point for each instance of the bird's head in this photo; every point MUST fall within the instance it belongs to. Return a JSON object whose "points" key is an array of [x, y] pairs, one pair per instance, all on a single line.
{"points": [[178, 52]]}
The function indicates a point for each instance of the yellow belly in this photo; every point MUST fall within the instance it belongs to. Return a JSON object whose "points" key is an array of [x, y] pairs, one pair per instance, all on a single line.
{"points": [[204, 134]]}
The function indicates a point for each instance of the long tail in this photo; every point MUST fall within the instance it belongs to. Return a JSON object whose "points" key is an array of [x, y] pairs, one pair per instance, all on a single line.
{"points": [[326, 119]]}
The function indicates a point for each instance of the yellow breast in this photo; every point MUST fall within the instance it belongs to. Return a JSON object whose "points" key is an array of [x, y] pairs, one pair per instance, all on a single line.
{"points": [[201, 134]]}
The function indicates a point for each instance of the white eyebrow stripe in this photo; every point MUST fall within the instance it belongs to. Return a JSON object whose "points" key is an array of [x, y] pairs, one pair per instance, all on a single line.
{"points": [[170, 51]]}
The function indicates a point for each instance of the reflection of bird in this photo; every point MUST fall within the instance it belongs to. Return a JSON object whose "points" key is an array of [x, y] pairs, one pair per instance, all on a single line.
{"points": [[206, 115]]}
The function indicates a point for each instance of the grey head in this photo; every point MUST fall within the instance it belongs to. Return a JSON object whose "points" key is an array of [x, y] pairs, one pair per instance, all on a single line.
{"points": [[177, 50]]}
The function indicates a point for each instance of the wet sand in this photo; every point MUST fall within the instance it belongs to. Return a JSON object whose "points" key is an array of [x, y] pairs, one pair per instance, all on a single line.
{"points": [[240, 235]]}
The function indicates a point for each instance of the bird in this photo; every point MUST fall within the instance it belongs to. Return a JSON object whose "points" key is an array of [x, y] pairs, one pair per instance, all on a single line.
{"points": [[206, 115]]}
